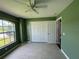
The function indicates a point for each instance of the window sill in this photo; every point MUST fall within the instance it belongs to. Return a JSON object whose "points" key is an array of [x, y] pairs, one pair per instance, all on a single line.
{"points": [[7, 45]]}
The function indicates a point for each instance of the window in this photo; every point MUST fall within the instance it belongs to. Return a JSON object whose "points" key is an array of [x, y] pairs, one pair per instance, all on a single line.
{"points": [[7, 33]]}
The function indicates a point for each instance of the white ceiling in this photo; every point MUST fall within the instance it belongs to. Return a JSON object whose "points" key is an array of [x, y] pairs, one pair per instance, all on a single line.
{"points": [[18, 9]]}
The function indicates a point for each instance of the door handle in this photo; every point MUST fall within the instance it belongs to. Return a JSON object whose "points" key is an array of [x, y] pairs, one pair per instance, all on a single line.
{"points": [[48, 33]]}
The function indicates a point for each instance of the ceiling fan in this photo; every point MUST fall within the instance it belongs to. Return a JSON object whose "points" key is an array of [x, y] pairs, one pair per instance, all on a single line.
{"points": [[32, 4]]}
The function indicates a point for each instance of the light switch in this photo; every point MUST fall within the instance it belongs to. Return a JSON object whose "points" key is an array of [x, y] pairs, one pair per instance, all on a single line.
{"points": [[64, 34]]}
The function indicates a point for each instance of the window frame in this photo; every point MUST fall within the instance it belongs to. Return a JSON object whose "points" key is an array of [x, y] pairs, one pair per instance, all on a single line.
{"points": [[9, 32]]}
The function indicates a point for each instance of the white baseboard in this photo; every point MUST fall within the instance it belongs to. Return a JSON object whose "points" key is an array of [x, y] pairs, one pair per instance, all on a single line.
{"points": [[65, 54]]}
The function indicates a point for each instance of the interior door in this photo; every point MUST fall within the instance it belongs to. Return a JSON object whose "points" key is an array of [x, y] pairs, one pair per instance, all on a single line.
{"points": [[58, 32], [39, 31]]}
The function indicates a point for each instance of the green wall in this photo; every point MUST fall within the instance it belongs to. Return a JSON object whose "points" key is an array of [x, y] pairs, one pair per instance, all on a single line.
{"points": [[41, 19], [70, 26], [23, 30]]}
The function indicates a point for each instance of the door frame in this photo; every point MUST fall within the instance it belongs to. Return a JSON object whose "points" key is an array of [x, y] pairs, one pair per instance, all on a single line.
{"points": [[58, 31]]}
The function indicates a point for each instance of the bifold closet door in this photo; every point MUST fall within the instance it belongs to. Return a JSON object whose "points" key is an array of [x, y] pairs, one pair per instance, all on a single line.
{"points": [[39, 31], [43, 31]]}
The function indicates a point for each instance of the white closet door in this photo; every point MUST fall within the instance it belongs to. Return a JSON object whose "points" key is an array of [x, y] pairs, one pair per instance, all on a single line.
{"points": [[43, 31], [51, 31], [39, 31]]}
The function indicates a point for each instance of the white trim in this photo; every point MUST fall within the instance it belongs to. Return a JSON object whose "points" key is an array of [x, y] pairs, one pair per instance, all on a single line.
{"points": [[59, 18], [65, 54]]}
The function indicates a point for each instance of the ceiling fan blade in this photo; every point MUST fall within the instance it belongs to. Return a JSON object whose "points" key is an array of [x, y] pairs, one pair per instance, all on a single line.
{"points": [[35, 11], [34, 3], [28, 10], [41, 6], [30, 3], [42, 1]]}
